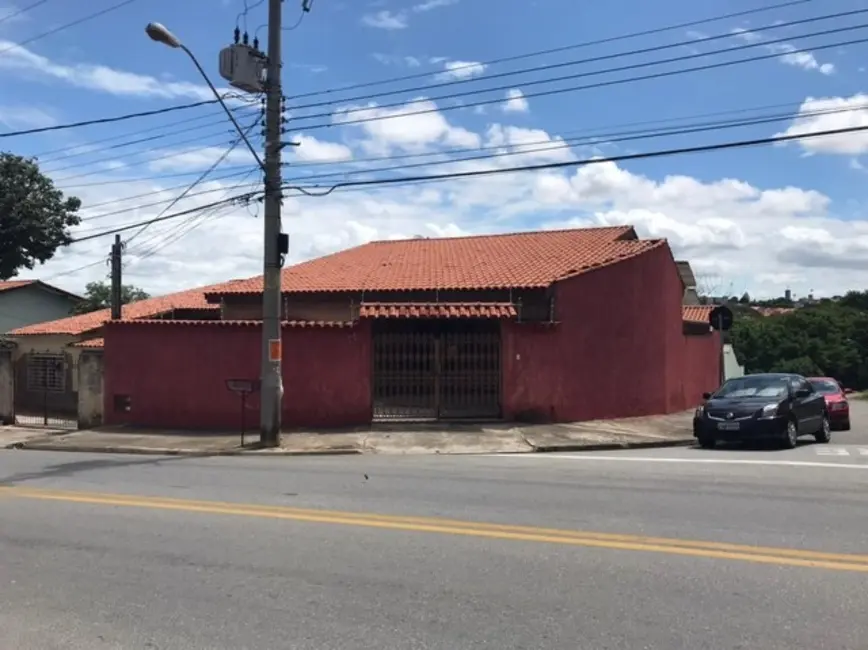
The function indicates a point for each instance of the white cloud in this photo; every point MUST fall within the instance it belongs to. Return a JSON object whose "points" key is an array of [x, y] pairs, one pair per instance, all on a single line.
{"points": [[515, 102], [97, 77], [386, 20], [760, 238], [399, 128], [461, 70], [789, 55], [829, 114], [25, 117], [312, 150], [428, 5], [199, 158]]}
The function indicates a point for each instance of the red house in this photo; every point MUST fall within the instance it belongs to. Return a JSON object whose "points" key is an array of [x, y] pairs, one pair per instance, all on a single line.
{"points": [[547, 326]]}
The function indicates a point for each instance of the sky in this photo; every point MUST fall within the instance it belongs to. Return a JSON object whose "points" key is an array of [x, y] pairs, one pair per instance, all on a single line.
{"points": [[387, 89]]}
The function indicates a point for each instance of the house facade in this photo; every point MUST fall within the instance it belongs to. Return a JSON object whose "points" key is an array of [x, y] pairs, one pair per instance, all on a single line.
{"points": [[45, 355], [551, 326], [25, 302]]}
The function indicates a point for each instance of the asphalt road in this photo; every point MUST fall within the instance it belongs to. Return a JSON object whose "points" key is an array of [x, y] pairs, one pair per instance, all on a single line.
{"points": [[664, 549]]}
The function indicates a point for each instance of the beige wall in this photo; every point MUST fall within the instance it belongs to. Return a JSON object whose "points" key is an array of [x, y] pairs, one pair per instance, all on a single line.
{"points": [[90, 388], [52, 344]]}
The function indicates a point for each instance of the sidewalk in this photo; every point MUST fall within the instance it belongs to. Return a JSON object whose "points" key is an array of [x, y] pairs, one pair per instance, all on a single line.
{"points": [[438, 438]]}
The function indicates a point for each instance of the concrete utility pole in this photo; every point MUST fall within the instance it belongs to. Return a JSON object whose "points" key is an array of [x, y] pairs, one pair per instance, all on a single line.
{"points": [[271, 398], [116, 265], [275, 243]]}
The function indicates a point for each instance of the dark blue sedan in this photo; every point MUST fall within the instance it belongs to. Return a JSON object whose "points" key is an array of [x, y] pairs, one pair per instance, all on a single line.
{"points": [[780, 407]]}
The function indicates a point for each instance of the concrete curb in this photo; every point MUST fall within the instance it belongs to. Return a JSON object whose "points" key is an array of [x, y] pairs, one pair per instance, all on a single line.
{"points": [[266, 453], [613, 446], [155, 451]]}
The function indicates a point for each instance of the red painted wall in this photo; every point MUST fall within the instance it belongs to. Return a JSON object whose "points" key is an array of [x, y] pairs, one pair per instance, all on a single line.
{"points": [[175, 375], [617, 349]]}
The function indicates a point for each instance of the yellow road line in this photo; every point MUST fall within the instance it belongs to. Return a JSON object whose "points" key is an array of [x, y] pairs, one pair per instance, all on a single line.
{"points": [[714, 550]]}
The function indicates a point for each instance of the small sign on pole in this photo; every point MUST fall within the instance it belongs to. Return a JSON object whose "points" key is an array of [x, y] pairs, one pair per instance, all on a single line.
{"points": [[243, 388], [274, 350]]}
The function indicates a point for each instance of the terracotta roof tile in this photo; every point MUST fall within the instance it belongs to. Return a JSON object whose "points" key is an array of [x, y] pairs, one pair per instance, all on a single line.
{"points": [[76, 325], [518, 260], [229, 323], [90, 343], [6, 285], [696, 313], [437, 310]]}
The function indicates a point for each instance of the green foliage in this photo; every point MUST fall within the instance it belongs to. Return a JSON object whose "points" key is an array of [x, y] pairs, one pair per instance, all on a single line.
{"points": [[35, 217], [830, 338], [97, 295]]}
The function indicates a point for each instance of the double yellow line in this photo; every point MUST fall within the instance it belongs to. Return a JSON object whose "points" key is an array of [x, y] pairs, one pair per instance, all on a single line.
{"points": [[689, 548]]}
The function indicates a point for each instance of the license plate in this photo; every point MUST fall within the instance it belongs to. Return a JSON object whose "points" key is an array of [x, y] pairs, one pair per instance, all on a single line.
{"points": [[728, 426]]}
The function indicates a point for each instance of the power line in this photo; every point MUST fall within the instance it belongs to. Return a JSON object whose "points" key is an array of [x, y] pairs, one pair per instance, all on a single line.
{"points": [[517, 149], [202, 139], [139, 163], [74, 23], [308, 191], [139, 179], [23, 10], [594, 73], [124, 199], [202, 177], [565, 48], [559, 91], [140, 140], [192, 223], [566, 144], [575, 62], [107, 120]]}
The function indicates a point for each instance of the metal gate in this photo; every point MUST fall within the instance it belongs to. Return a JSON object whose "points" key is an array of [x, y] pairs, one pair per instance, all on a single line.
{"points": [[45, 391], [429, 370]]}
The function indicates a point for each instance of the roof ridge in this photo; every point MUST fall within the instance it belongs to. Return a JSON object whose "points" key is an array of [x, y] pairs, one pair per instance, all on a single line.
{"points": [[493, 235]]}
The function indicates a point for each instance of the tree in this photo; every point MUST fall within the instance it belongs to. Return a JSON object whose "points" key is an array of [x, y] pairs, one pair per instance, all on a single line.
{"points": [[35, 217], [745, 298], [97, 295], [825, 339]]}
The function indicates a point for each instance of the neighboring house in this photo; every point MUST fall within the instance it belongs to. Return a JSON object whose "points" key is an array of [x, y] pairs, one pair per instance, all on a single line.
{"points": [[691, 295], [553, 326], [46, 353], [25, 302]]}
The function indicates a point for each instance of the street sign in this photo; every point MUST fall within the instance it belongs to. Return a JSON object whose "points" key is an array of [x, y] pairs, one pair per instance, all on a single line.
{"points": [[242, 386], [721, 318]]}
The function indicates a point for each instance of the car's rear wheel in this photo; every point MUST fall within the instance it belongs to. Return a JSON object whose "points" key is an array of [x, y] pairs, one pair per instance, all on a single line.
{"points": [[791, 436], [706, 442], [825, 433]]}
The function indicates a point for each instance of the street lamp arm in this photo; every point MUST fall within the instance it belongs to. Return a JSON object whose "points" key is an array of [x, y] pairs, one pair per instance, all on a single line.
{"points": [[229, 114], [160, 34]]}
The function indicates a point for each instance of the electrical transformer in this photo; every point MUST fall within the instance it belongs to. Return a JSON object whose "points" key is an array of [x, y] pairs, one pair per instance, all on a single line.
{"points": [[243, 67]]}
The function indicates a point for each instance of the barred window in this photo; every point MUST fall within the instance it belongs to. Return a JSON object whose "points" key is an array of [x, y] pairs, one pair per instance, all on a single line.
{"points": [[46, 372]]}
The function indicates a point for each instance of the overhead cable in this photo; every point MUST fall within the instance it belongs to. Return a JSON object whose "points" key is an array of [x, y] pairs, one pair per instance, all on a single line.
{"points": [[311, 190]]}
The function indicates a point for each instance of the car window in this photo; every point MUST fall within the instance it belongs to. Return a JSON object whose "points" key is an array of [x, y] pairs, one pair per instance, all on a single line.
{"points": [[826, 386], [747, 387]]}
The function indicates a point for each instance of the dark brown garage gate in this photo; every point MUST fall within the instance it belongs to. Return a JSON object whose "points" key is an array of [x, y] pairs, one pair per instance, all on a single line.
{"points": [[436, 369]]}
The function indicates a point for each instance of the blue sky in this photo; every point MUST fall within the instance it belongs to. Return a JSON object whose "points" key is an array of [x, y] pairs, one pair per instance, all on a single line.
{"points": [[758, 219]]}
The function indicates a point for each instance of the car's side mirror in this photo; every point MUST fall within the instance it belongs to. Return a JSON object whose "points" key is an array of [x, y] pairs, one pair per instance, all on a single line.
{"points": [[803, 392], [848, 391], [706, 395]]}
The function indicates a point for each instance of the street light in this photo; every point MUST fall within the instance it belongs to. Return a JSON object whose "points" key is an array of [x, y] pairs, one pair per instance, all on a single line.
{"points": [[159, 33]]}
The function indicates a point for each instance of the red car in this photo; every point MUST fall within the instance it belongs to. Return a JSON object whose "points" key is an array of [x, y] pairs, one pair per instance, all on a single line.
{"points": [[836, 401]]}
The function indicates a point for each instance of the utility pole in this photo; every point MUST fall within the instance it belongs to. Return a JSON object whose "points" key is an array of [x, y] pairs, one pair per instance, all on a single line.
{"points": [[271, 397], [116, 263]]}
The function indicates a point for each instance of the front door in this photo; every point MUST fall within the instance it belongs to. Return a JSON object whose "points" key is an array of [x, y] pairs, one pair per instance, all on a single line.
{"points": [[436, 369]]}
